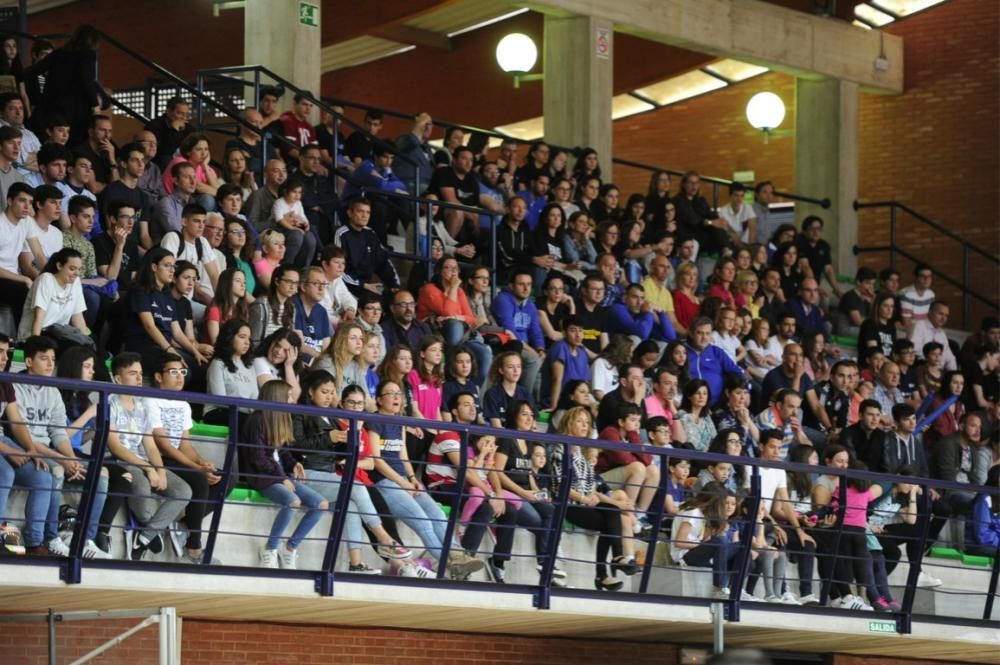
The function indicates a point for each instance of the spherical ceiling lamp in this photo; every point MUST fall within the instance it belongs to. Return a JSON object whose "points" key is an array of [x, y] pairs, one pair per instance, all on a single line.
{"points": [[765, 111], [516, 53]]}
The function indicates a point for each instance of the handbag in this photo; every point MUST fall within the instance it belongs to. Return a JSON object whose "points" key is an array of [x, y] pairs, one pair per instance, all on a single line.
{"points": [[68, 335]]}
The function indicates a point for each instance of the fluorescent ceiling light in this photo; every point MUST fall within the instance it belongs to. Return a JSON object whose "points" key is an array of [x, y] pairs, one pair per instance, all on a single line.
{"points": [[525, 130], [905, 7], [861, 25], [625, 105], [489, 21], [681, 87], [872, 15], [734, 70]]}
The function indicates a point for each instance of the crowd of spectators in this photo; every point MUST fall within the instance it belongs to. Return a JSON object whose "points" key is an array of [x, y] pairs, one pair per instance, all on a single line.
{"points": [[648, 319]]}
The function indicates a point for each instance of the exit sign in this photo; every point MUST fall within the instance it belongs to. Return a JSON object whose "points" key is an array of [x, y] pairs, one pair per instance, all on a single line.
{"points": [[881, 626], [309, 14]]}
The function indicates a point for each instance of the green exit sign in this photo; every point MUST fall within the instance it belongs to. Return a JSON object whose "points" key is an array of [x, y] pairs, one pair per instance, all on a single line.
{"points": [[881, 626], [309, 14]]}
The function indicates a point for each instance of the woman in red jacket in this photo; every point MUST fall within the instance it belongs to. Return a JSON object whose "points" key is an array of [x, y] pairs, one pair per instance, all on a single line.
{"points": [[443, 301]]}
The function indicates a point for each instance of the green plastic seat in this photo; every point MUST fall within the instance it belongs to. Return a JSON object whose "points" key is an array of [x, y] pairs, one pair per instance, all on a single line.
{"points": [[246, 494], [939, 552], [211, 431], [976, 560]]}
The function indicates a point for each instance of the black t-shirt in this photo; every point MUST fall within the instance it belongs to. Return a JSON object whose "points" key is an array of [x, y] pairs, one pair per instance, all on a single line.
{"points": [[518, 467], [466, 189], [818, 256], [556, 319], [100, 162], [593, 323], [908, 383], [852, 302], [104, 249], [884, 335], [358, 146]]}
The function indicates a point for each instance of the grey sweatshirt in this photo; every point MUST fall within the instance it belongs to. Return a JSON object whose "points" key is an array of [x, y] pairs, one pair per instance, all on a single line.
{"points": [[44, 413]]}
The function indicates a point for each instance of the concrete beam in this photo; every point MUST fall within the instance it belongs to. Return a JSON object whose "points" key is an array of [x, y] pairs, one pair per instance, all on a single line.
{"points": [[409, 35], [753, 31]]}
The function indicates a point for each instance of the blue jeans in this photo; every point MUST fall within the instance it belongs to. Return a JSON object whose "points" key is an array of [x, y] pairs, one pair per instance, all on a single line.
{"points": [[360, 508], [537, 518], [55, 500], [38, 483], [421, 513], [718, 553], [285, 497], [453, 332]]}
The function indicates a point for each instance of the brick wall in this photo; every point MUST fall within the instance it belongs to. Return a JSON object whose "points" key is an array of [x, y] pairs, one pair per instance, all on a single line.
{"points": [[253, 643], [270, 644], [936, 146]]}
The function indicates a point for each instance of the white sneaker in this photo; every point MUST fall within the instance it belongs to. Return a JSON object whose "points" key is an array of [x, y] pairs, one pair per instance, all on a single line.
{"points": [[268, 558], [557, 572], [852, 602], [788, 598], [721, 594], [838, 602], [413, 570], [92, 551], [749, 597], [178, 538], [58, 547], [924, 580], [289, 558], [809, 599], [772, 599]]}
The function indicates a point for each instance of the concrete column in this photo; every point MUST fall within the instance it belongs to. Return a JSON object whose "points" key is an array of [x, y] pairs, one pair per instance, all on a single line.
{"points": [[826, 161], [284, 36], [578, 57]]}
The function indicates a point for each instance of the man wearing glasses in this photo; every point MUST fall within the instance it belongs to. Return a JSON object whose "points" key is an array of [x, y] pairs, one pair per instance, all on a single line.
{"points": [[131, 167], [311, 320], [402, 326], [369, 316]]}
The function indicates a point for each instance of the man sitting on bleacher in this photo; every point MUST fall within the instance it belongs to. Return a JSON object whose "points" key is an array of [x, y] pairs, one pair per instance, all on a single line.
{"points": [[157, 496], [367, 257], [45, 415]]}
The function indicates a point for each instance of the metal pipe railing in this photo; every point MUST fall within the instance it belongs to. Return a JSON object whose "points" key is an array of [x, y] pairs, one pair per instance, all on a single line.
{"points": [[324, 578]]}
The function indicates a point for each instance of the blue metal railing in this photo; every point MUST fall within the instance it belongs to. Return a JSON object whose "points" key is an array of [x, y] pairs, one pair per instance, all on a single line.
{"points": [[72, 567]]}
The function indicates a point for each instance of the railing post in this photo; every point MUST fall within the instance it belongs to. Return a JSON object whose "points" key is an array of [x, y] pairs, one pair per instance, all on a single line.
{"points": [[70, 572], [232, 443], [543, 594], [924, 517], [715, 196], [746, 537], [324, 580], [657, 519], [991, 592], [456, 501], [892, 236], [200, 83], [965, 286], [493, 258], [824, 585]]}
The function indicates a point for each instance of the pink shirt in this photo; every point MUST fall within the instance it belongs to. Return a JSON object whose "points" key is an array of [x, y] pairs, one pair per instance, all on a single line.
{"points": [[857, 507], [168, 179], [654, 407], [427, 395]]}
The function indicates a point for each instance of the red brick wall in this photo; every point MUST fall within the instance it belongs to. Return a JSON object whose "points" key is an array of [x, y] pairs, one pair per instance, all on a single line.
{"points": [[937, 146], [709, 134], [254, 643], [267, 644]]}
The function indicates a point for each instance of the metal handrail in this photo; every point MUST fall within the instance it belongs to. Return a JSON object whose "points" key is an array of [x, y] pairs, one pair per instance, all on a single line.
{"points": [[715, 181], [937, 226], [324, 578], [316, 101], [967, 247]]}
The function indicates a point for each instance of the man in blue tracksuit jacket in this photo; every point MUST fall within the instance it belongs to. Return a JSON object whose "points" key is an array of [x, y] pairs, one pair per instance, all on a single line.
{"points": [[515, 311], [707, 361], [635, 317]]}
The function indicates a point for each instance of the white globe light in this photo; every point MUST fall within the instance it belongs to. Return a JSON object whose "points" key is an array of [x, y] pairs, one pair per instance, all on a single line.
{"points": [[765, 111], [516, 53]]}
